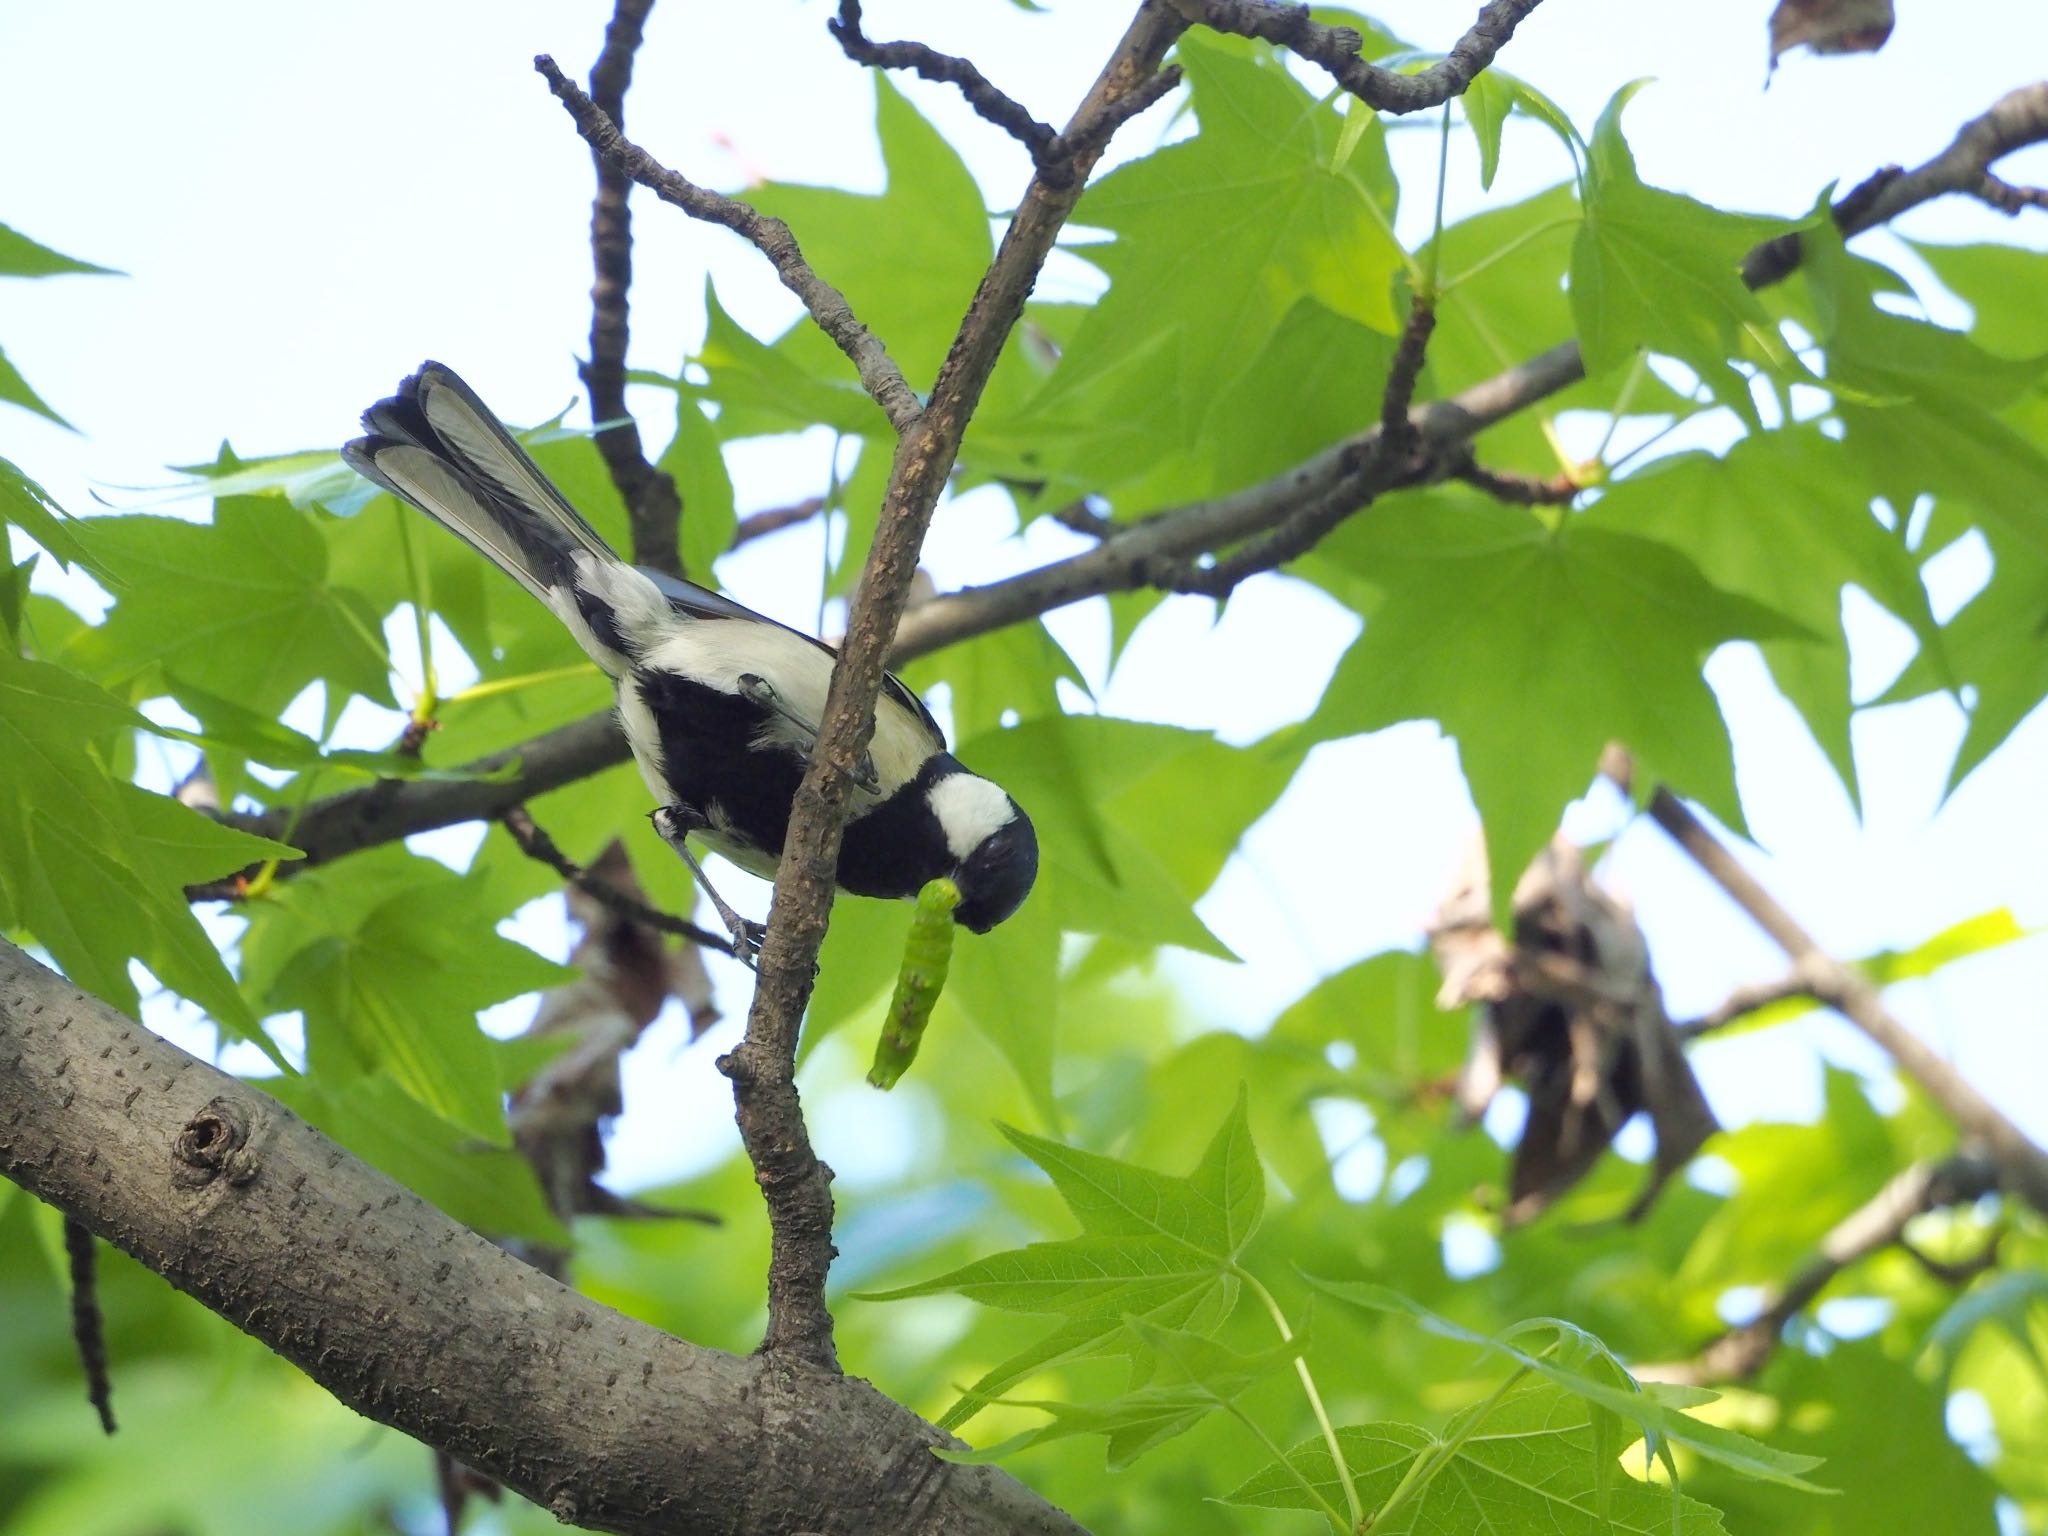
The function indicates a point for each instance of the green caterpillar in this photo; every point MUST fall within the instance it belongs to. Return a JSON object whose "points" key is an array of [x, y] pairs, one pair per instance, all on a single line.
{"points": [[927, 952]]}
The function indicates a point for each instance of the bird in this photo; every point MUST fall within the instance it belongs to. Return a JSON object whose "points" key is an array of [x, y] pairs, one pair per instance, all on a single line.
{"points": [[721, 705]]}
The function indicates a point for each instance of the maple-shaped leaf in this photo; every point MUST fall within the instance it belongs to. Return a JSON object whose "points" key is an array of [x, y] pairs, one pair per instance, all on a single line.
{"points": [[1157, 1246], [1534, 647], [390, 958], [1784, 519], [240, 607], [1658, 270], [1531, 1462], [94, 867], [1218, 239], [931, 221]]}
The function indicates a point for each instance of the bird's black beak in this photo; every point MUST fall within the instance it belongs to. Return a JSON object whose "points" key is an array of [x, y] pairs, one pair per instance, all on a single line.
{"points": [[998, 875]]}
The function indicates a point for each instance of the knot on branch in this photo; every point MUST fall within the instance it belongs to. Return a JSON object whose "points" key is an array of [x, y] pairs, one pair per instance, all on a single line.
{"points": [[211, 1144]]}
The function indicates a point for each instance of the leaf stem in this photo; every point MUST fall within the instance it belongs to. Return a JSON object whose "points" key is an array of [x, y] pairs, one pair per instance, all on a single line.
{"points": [[1315, 1398], [1436, 234], [497, 685], [416, 577], [1280, 1456], [1514, 245], [1423, 1470]]}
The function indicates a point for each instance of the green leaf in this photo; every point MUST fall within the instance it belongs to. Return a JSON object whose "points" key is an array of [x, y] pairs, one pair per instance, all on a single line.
{"points": [[1155, 1245], [1959, 941], [1202, 1377], [96, 868], [390, 958], [1490, 617], [2010, 1302], [1488, 100], [1204, 1306], [931, 221], [1784, 520], [1648, 1410], [240, 608], [29, 507], [1658, 270], [1134, 821], [1217, 240], [1014, 670], [1006, 983], [15, 390], [1533, 1462], [1212, 1211], [762, 389], [23, 257], [696, 464], [1083, 1278]]}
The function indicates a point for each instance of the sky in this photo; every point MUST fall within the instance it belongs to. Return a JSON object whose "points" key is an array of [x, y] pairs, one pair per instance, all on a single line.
{"points": [[307, 200]]}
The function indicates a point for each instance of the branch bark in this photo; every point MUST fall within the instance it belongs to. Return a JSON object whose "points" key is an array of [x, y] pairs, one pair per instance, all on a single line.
{"points": [[1336, 49], [795, 1183], [414, 1320], [1131, 556], [652, 504], [878, 372], [1880, 1222], [2023, 1167]]}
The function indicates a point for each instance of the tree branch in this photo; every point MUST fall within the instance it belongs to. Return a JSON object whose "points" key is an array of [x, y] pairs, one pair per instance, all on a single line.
{"points": [[414, 1320], [2023, 1167], [1742, 1002], [878, 372], [537, 845], [795, 1183], [1047, 149], [1336, 49], [1880, 1222], [649, 493], [1133, 553]]}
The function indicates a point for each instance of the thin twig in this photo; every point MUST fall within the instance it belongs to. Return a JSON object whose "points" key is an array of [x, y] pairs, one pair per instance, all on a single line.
{"points": [[1879, 1223], [1048, 151], [652, 503], [1517, 490], [1392, 457], [537, 845], [1742, 1002], [878, 372], [1336, 49], [2022, 1165], [758, 525], [796, 1185], [87, 1329]]}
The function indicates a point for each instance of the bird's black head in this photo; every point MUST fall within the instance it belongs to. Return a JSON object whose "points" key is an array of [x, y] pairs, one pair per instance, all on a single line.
{"points": [[985, 840], [996, 877]]}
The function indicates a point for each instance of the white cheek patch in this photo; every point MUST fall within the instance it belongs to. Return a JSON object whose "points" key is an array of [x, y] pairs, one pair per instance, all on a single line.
{"points": [[970, 810]]}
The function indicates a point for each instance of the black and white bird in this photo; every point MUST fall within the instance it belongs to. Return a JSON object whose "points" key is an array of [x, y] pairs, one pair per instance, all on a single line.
{"points": [[720, 705]]}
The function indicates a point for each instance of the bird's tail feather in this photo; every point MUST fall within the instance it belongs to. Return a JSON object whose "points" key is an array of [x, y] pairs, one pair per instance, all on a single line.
{"points": [[436, 445]]}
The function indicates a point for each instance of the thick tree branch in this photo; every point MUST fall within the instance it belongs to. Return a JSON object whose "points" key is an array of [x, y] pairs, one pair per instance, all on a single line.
{"points": [[649, 493], [1133, 554], [797, 1186], [2023, 1167], [878, 372], [416, 1321], [1879, 1223], [1336, 49]]}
